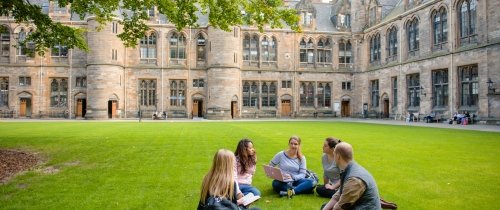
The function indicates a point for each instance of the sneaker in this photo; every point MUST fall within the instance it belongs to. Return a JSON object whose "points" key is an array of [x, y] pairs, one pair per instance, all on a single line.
{"points": [[283, 193], [290, 193]]}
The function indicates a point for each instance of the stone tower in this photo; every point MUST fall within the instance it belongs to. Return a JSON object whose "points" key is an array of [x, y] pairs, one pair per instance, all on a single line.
{"points": [[223, 73], [358, 15], [105, 69]]}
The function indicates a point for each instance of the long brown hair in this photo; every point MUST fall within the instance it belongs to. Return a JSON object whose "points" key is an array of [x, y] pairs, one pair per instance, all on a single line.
{"points": [[299, 151], [245, 160], [219, 180]]}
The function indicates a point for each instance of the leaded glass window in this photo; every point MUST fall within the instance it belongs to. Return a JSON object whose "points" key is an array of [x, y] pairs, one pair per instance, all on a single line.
{"points": [[392, 44], [177, 93], [467, 16], [306, 94], [177, 48], [4, 91], [147, 92], [440, 88], [374, 93], [58, 92], [324, 91], [469, 86], [148, 48], [413, 81]]}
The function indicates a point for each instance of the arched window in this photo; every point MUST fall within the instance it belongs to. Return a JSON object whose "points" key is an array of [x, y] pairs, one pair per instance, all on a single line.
{"points": [[268, 94], [467, 21], [324, 95], [4, 91], [177, 93], [147, 93], [201, 51], [177, 48], [412, 36], [148, 48], [21, 37], [375, 49], [324, 52], [392, 44], [306, 53], [250, 94], [251, 50], [58, 92], [268, 51], [345, 53], [413, 82], [439, 28], [5, 44], [306, 94]]}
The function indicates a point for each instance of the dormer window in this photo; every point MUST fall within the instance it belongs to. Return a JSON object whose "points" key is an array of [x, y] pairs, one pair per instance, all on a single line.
{"points": [[307, 18]]}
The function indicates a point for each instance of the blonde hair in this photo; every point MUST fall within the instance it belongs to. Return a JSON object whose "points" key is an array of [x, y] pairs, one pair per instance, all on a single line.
{"points": [[219, 181]]}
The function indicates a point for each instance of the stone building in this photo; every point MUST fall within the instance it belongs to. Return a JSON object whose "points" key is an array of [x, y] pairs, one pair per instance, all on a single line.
{"points": [[373, 58]]}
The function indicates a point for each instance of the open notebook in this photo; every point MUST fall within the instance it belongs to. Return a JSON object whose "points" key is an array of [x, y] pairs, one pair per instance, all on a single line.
{"points": [[275, 173], [249, 198]]}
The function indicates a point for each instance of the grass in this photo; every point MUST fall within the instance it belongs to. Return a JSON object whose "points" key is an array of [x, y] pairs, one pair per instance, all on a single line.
{"points": [[130, 165]]}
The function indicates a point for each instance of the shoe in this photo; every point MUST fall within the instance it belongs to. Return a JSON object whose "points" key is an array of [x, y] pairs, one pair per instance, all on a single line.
{"points": [[283, 193], [290, 193]]}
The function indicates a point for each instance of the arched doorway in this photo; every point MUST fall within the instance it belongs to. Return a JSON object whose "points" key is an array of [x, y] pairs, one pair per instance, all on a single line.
{"points": [[345, 107], [25, 104], [286, 106], [80, 105], [234, 107], [198, 109], [385, 103], [113, 106]]}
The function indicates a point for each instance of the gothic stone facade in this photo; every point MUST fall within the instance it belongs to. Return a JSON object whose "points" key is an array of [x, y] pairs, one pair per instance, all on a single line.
{"points": [[382, 58]]}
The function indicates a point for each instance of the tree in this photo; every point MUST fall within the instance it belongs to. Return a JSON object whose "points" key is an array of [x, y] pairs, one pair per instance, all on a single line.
{"points": [[222, 14]]}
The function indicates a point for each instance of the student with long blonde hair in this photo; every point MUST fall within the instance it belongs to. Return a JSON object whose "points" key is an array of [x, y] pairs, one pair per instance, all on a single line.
{"points": [[219, 181]]}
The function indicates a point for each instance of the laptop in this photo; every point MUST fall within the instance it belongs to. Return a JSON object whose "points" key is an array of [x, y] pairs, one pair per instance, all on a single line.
{"points": [[275, 173]]}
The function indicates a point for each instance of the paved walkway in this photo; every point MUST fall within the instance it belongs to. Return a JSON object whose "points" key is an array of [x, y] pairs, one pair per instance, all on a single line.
{"points": [[476, 127]]}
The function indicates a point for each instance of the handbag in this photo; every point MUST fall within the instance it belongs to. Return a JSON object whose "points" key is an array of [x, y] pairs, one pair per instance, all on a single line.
{"points": [[313, 176]]}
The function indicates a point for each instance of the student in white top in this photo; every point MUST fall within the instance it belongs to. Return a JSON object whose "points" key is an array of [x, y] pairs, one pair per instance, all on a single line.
{"points": [[246, 161]]}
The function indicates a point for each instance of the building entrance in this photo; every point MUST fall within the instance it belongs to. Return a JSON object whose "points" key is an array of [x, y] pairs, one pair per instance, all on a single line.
{"points": [[25, 107], [81, 107], [386, 108], [112, 107], [197, 108], [286, 108], [344, 110], [234, 109]]}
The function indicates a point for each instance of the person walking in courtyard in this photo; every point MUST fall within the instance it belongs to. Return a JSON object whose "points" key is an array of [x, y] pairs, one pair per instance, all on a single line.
{"points": [[293, 164], [246, 161], [331, 173], [358, 189]]}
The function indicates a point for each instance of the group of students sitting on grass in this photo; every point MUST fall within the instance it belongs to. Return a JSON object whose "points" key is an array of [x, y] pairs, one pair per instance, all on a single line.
{"points": [[346, 183]]}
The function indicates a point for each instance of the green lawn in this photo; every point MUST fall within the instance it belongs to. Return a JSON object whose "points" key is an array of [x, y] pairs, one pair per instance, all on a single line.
{"points": [[130, 165]]}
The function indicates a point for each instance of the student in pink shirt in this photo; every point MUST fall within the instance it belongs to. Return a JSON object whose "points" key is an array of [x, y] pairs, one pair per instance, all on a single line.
{"points": [[246, 161]]}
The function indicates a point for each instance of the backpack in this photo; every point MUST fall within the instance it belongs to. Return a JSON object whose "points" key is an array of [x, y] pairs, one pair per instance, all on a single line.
{"points": [[313, 176], [217, 203]]}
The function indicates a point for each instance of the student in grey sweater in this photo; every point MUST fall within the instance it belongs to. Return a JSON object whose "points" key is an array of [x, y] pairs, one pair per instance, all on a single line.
{"points": [[293, 164]]}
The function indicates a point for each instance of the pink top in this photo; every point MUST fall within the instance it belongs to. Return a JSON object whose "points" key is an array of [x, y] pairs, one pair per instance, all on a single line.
{"points": [[244, 178]]}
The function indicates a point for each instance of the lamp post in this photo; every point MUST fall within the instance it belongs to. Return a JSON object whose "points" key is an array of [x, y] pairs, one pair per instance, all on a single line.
{"points": [[490, 86]]}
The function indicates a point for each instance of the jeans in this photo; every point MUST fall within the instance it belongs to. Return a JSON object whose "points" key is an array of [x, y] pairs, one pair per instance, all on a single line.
{"points": [[301, 186], [245, 189]]}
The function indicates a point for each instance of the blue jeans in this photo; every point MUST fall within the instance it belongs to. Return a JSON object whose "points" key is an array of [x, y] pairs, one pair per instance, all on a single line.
{"points": [[301, 186], [245, 189]]}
